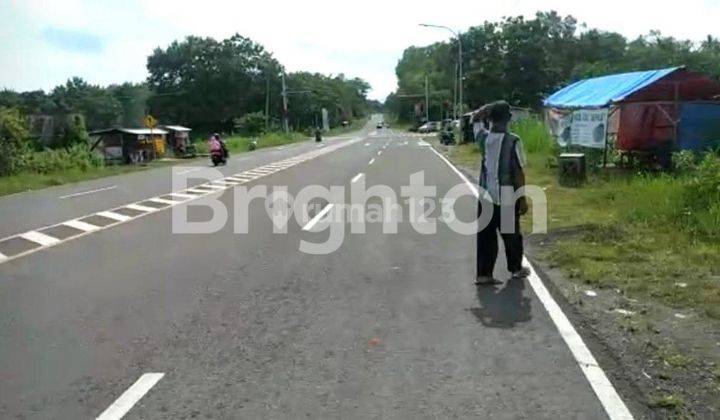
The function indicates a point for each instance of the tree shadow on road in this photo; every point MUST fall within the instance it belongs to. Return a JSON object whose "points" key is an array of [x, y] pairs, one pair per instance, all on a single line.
{"points": [[502, 306]]}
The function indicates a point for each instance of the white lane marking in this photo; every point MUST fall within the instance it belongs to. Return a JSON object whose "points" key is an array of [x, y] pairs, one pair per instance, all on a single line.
{"points": [[115, 216], [130, 397], [318, 216], [604, 390], [139, 207], [367, 144], [371, 161], [280, 148], [3, 257], [423, 143], [379, 152], [193, 190], [357, 177], [187, 171], [204, 189], [77, 224], [234, 179], [182, 196], [162, 201], [40, 238], [78, 194]]}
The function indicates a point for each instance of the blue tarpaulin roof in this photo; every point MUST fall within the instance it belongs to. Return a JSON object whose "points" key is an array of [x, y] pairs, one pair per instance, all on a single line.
{"points": [[602, 91]]}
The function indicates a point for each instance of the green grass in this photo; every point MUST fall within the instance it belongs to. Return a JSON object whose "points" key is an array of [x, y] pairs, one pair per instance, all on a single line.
{"points": [[239, 144], [25, 181]]}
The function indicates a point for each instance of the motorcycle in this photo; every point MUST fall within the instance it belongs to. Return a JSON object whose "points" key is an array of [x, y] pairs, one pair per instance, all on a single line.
{"points": [[447, 137], [218, 157]]}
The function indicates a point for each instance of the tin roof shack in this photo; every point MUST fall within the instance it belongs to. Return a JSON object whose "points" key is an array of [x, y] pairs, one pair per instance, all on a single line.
{"points": [[656, 111], [178, 139], [129, 145]]}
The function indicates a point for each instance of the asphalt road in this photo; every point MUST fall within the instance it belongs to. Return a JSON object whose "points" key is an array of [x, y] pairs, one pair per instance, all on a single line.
{"points": [[247, 326]]}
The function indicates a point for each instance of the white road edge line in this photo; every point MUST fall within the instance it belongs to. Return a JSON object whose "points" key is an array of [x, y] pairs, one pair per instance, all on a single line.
{"points": [[139, 207], [357, 177], [39, 238], [78, 194], [130, 397], [371, 161], [3, 257], [318, 216], [187, 171], [604, 390]]}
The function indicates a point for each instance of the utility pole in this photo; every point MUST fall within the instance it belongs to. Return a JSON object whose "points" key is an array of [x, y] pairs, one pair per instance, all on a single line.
{"points": [[267, 100], [460, 62], [285, 104], [427, 101]]}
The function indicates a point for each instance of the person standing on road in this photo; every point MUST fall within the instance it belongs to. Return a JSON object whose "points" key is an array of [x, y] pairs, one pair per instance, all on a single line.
{"points": [[503, 160]]}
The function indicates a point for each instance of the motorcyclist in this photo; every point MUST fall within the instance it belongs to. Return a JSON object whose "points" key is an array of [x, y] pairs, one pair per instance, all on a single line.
{"points": [[222, 145]]}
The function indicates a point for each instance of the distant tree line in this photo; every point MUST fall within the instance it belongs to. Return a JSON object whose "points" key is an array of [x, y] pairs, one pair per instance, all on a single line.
{"points": [[199, 82], [523, 60]]}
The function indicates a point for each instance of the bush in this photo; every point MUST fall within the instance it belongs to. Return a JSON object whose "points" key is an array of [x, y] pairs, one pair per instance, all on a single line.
{"points": [[77, 156], [684, 161], [535, 135], [251, 124], [14, 140]]}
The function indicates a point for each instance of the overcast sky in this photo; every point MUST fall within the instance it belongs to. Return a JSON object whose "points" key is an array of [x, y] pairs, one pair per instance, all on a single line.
{"points": [[43, 43]]}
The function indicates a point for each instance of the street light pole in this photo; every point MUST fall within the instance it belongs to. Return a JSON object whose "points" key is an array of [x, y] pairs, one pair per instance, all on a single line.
{"points": [[460, 61]]}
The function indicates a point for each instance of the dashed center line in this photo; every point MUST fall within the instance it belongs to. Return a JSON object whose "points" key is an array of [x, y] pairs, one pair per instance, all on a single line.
{"points": [[317, 217], [379, 152], [357, 177], [371, 161], [78, 194], [130, 397]]}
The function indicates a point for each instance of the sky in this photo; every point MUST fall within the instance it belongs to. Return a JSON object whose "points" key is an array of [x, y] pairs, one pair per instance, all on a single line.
{"points": [[43, 43]]}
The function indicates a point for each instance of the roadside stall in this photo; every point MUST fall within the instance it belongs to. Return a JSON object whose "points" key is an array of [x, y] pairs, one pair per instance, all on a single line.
{"points": [[644, 114], [178, 140], [129, 145]]}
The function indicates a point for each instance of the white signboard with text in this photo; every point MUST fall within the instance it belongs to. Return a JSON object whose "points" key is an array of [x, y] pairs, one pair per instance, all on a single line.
{"points": [[583, 127]]}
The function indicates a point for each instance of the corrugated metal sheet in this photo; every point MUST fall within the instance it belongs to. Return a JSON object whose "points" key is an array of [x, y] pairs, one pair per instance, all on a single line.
{"points": [[602, 91]]}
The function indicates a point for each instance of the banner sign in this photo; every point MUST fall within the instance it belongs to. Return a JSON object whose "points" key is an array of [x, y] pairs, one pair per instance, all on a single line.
{"points": [[582, 127]]}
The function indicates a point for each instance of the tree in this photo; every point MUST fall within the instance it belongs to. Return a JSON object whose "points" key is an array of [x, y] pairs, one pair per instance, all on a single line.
{"points": [[205, 83], [14, 142], [251, 124]]}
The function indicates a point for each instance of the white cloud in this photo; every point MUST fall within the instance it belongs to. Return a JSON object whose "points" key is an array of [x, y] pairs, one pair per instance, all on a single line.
{"points": [[363, 39]]}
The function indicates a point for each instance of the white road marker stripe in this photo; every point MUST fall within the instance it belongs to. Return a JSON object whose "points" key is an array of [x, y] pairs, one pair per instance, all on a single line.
{"points": [[367, 144], [371, 161], [139, 207], [204, 189], [379, 152], [234, 179], [183, 196], [78, 194], [115, 216], [604, 390], [130, 397], [197, 191], [39, 238], [85, 227], [318, 216], [357, 177], [161, 201], [187, 171]]}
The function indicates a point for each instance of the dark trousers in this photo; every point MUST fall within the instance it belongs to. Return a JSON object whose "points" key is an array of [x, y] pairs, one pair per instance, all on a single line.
{"points": [[487, 244]]}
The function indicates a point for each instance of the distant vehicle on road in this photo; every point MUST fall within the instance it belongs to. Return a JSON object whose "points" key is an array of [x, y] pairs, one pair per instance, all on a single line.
{"points": [[379, 125]]}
